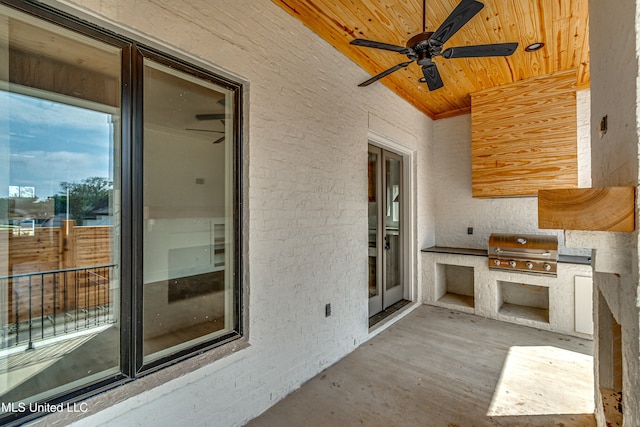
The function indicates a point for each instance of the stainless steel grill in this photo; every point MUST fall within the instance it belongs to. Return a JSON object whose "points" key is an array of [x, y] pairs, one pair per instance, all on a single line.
{"points": [[529, 253]]}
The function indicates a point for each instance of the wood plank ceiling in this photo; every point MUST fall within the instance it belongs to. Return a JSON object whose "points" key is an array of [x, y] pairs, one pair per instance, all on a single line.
{"points": [[562, 25]]}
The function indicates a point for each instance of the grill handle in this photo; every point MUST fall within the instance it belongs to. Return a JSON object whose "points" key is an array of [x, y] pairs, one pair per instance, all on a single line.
{"points": [[521, 254]]}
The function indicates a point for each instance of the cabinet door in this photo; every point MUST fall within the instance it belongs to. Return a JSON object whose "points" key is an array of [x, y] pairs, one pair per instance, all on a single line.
{"points": [[584, 304]]}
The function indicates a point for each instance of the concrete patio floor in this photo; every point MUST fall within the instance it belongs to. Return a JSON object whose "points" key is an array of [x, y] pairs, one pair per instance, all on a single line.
{"points": [[438, 367]]}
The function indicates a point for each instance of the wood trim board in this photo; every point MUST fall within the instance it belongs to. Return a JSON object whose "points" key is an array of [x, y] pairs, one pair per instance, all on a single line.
{"points": [[524, 137], [593, 209]]}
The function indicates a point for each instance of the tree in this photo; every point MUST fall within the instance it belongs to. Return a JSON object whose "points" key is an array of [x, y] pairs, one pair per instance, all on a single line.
{"points": [[86, 198]]}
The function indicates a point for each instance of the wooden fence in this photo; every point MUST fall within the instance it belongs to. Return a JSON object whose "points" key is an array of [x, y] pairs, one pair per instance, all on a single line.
{"points": [[70, 252]]}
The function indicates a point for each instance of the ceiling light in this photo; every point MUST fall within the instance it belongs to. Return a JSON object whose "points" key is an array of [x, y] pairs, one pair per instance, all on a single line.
{"points": [[533, 47]]}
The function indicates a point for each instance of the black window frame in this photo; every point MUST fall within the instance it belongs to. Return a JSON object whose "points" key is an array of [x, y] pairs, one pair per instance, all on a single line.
{"points": [[141, 53], [131, 221]]}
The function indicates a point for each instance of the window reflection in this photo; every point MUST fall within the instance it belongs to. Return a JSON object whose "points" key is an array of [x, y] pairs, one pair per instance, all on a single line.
{"points": [[59, 209], [188, 193]]}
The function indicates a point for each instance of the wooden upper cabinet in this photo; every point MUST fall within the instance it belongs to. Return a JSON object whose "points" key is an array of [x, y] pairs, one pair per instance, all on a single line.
{"points": [[524, 137]]}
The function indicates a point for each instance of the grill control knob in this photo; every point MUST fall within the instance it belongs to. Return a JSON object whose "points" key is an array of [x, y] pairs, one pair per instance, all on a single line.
{"points": [[496, 262], [546, 267], [529, 265], [512, 264]]}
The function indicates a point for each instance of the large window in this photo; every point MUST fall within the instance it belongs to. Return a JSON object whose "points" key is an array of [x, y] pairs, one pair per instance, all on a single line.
{"points": [[188, 210], [119, 210]]}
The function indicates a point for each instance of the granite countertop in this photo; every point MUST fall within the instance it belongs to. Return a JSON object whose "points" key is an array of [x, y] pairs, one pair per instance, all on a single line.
{"points": [[569, 259], [575, 259], [456, 251]]}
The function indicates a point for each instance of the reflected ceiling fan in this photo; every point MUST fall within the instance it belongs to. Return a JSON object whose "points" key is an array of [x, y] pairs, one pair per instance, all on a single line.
{"points": [[210, 117], [217, 141], [423, 47]]}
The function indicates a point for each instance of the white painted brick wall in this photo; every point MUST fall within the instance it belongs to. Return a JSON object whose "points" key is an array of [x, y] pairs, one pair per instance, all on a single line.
{"points": [[614, 90], [307, 127], [456, 209]]}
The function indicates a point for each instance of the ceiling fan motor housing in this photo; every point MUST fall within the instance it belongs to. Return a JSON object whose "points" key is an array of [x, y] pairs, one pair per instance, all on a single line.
{"points": [[418, 40], [423, 48]]}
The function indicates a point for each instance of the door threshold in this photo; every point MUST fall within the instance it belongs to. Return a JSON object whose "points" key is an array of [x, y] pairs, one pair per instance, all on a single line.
{"points": [[379, 317]]}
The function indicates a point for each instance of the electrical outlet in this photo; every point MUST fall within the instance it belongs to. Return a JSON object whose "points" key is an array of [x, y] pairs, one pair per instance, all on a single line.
{"points": [[327, 310], [604, 125], [469, 230]]}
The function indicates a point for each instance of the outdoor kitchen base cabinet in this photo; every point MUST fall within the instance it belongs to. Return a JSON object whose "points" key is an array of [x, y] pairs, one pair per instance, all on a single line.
{"points": [[520, 300], [460, 279], [456, 284]]}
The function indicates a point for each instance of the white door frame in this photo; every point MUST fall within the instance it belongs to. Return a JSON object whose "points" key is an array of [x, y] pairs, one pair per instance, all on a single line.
{"points": [[409, 213]]}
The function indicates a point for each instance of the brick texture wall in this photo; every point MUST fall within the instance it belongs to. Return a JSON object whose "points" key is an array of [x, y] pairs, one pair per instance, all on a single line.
{"points": [[614, 91]]}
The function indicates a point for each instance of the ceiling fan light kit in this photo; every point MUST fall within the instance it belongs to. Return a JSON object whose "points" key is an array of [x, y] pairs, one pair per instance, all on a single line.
{"points": [[534, 46], [423, 47]]}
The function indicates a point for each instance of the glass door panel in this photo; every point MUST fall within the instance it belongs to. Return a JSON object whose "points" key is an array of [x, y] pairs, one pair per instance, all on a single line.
{"points": [[375, 264], [392, 230], [385, 229]]}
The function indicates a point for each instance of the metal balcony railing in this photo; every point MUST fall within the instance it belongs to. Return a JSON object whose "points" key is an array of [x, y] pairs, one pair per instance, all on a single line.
{"points": [[43, 305]]}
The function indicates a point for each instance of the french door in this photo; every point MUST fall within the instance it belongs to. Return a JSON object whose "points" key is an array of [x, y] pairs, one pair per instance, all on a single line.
{"points": [[385, 195]]}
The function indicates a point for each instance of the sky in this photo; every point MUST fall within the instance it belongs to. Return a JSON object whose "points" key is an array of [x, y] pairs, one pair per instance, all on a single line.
{"points": [[43, 143]]}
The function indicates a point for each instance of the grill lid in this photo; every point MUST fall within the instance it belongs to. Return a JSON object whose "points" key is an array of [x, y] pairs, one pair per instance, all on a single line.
{"points": [[531, 253], [520, 246], [524, 242]]}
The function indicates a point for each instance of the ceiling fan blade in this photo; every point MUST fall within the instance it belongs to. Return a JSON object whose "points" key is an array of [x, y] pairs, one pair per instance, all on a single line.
{"points": [[384, 73], [380, 45], [432, 76], [466, 10], [500, 49], [211, 116]]}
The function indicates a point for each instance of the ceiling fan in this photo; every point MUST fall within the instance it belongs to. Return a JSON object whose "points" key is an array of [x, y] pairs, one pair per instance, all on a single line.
{"points": [[423, 47], [210, 117]]}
